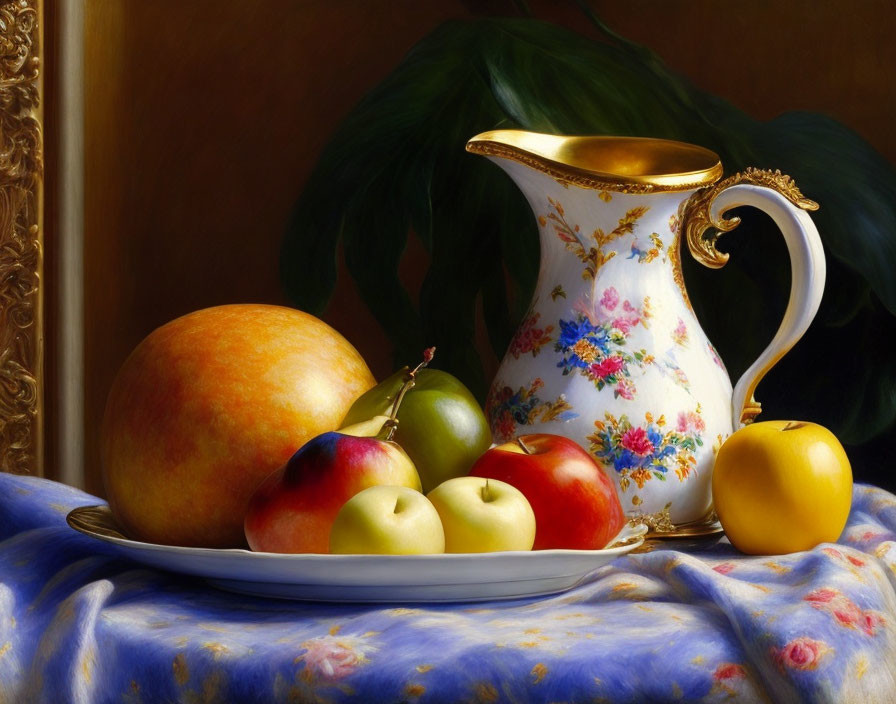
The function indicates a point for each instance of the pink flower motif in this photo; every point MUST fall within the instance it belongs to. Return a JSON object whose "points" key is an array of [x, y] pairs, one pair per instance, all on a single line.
{"points": [[844, 610], [623, 325], [529, 338], [856, 561], [625, 389], [729, 671], [610, 299], [636, 440], [331, 657], [833, 552], [849, 615], [800, 654], [607, 367], [821, 596], [724, 568], [690, 421], [680, 333], [870, 622]]}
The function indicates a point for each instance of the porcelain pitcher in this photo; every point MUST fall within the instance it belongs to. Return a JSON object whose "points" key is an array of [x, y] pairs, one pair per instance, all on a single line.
{"points": [[610, 352]]}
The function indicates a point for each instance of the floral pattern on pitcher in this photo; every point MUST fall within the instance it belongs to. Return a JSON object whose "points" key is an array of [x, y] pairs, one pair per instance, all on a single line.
{"points": [[593, 343], [645, 256], [642, 452], [680, 334], [670, 369], [595, 255], [717, 360], [597, 352], [529, 338], [507, 409]]}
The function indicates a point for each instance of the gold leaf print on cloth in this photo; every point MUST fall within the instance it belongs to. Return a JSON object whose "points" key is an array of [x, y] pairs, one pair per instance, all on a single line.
{"points": [[415, 690], [180, 669]]}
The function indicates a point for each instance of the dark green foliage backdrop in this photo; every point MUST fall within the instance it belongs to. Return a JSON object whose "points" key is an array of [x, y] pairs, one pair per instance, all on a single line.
{"points": [[398, 163]]}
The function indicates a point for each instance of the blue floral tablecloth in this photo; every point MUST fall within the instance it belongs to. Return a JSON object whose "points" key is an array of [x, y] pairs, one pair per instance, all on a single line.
{"points": [[78, 624]]}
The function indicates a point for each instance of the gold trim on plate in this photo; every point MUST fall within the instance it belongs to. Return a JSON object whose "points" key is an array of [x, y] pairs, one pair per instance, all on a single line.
{"points": [[660, 526], [95, 521]]}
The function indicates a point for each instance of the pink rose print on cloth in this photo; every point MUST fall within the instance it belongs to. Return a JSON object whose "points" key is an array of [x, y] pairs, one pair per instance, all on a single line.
{"points": [[331, 658], [801, 653], [728, 680], [846, 558], [729, 671], [844, 610], [724, 568], [865, 535]]}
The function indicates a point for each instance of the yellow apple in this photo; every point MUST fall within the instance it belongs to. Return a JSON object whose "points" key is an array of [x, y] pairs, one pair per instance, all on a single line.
{"points": [[387, 520], [782, 486], [209, 405], [483, 515]]}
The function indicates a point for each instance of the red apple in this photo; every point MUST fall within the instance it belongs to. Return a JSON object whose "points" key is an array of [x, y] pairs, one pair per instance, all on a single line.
{"points": [[575, 504], [294, 509], [209, 405]]}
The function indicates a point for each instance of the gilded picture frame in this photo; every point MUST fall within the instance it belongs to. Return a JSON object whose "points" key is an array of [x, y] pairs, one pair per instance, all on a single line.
{"points": [[21, 236]]}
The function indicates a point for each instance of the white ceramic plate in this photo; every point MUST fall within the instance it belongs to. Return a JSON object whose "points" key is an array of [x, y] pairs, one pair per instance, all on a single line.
{"points": [[368, 578]]}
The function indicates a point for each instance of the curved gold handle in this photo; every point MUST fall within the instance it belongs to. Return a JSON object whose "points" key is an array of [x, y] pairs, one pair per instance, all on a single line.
{"points": [[778, 196]]}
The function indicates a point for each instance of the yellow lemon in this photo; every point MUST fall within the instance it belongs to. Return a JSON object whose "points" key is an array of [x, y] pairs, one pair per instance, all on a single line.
{"points": [[782, 486]]}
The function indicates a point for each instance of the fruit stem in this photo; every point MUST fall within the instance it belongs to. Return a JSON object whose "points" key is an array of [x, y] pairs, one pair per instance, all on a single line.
{"points": [[793, 425], [526, 448], [485, 493], [390, 426]]}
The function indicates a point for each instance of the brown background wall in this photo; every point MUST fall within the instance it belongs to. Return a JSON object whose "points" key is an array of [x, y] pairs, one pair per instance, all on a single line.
{"points": [[204, 118]]}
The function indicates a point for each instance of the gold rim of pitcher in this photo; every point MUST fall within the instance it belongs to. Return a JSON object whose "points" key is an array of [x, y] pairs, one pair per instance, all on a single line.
{"points": [[620, 164]]}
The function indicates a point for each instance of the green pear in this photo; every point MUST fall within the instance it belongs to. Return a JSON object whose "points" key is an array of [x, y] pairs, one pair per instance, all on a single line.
{"points": [[441, 426], [365, 428]]}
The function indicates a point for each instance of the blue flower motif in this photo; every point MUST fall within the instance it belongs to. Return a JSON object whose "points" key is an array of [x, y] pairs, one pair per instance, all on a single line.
{"points": [[520, 411], [654, 435], [627, 460], [571, 331], [608, 446]]}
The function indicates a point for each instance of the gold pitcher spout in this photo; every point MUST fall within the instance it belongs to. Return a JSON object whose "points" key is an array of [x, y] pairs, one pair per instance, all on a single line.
{"points": [[621, 164]]}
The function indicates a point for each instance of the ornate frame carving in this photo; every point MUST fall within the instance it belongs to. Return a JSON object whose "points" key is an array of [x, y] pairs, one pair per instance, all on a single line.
{"points": [[21, 236]]}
